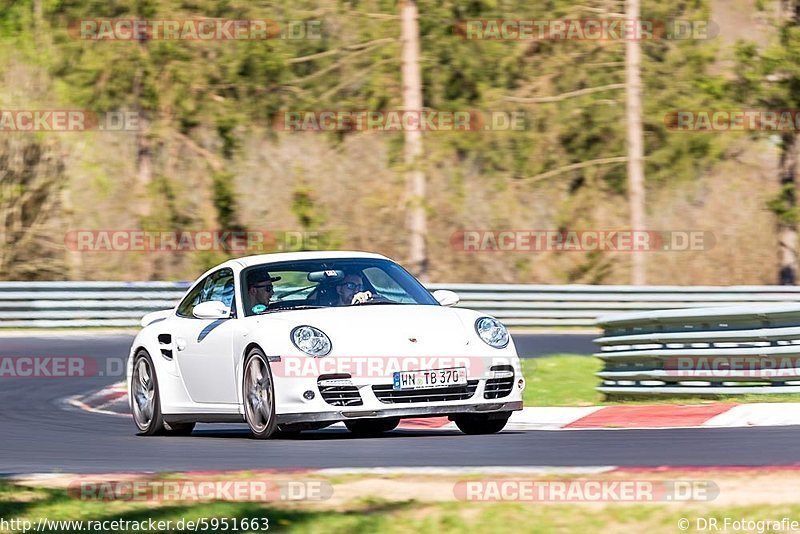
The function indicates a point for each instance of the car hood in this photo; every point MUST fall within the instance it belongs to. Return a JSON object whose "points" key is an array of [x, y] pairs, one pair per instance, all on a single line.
{"points": [[387, 329]]}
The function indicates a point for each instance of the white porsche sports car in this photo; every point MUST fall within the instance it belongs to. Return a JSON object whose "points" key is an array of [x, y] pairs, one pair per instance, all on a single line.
{"points": [[298, 341]]}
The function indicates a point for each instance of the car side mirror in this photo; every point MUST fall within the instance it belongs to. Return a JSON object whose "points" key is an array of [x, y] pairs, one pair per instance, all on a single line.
{"points": [[211, 309], [446, 297]]}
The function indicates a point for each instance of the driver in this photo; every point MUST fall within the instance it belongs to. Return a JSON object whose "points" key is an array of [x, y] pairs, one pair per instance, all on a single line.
{"points": [[351, 291], [260, 289]]}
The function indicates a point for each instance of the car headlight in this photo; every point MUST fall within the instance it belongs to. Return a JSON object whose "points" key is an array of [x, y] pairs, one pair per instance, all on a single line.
{"points": [[492, 332], [312, 341]]}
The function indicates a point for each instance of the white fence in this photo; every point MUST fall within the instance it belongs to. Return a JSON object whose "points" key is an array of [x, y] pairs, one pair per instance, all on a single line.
{"points": [[100, 304]]}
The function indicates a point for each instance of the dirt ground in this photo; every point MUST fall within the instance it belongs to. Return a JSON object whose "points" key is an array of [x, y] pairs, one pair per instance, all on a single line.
{"points": [[736, 487]]}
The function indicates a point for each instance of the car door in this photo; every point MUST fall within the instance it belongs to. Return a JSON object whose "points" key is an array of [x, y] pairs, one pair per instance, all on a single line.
{"points": [[204, 347]]}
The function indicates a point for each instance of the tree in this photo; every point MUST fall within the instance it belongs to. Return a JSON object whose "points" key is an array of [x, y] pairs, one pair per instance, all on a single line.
{"points": [[415, 177], [202, 100], [771, 80], [786, 60], [31, 179], [633, 121]]}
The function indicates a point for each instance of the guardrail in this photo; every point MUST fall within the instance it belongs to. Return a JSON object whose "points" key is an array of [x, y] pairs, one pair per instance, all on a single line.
{"points": [[84, 304], [711, 351], [581, 305], [122, 304]]}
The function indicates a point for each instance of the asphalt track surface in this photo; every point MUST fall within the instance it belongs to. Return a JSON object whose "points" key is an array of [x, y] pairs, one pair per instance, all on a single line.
{"points": [[37, 434]]}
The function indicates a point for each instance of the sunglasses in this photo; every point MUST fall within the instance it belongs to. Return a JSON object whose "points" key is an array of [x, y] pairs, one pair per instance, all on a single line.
{"points": [[352, 285], [268, 287]]}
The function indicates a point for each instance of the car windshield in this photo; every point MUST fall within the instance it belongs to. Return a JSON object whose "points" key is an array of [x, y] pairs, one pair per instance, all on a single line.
{"points": [[327, 283]]}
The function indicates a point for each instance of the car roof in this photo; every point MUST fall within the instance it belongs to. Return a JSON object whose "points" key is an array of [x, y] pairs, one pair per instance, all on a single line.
{"points": [[259, 259]]}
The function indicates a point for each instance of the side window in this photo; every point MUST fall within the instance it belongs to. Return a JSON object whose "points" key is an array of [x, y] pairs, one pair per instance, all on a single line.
{"points": [[191, 300], [217, 286]]}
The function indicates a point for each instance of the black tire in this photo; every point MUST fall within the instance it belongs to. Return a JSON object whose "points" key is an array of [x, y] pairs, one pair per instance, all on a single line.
{"points": [[258, 395], [480, 424], [145, 400], [179, 429], [372, 427]]}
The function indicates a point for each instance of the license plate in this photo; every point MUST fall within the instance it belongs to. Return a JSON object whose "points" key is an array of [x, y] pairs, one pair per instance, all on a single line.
{"points": [[433, 378]]}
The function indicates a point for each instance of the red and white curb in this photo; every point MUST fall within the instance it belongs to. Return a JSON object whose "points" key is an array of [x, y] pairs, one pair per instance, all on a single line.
{"points": [[113, 400], [654, 416], [650, 416]]}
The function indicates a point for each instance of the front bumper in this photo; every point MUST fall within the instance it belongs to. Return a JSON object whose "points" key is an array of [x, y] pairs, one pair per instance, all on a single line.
{"points": [[349, 414]]}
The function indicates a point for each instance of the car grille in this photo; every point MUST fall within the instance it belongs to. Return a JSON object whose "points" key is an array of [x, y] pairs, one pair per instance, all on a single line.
{"points": [[388, 395], [341, 394], [499, 387]]}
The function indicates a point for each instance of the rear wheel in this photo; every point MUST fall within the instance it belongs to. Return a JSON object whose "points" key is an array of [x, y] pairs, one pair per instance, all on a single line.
{"points": [[372, 427], [145, 405], [259, 396], [481, 424]]}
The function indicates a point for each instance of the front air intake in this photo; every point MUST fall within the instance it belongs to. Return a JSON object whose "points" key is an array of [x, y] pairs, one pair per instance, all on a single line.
{"points": [[501, 384], [338, 390]]}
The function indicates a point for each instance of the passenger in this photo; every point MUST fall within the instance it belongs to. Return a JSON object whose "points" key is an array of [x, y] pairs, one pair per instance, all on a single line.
{"points": [[260, 289]]}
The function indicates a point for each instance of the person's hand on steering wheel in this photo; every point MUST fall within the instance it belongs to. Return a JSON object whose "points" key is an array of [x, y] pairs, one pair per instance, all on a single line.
{"points": [[362, 297]]}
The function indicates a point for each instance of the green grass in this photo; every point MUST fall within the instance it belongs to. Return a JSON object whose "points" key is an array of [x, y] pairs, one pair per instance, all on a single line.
{"points": [[378, 515], [562, 380], [569, 380]]}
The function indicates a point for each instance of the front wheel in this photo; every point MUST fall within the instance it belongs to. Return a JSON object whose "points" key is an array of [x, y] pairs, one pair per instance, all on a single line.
{"points": [[480, 424], [259, 396], [372, 427], [145, 402]]}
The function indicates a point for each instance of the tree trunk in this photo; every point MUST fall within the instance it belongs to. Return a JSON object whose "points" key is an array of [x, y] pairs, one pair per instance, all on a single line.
{"points": [[415, 178], [633, 116], [141, 206], [144, 164], [6, 192], [787, 228], [38, 21], [144, 149]]}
